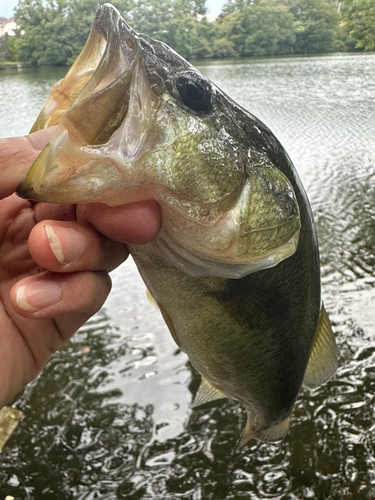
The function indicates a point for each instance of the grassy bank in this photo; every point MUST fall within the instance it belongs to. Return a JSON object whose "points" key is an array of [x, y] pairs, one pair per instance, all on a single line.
{"points": [[13, 65]]}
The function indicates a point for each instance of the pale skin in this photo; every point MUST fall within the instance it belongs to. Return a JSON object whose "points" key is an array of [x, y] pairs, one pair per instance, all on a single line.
{"points": [[54, 264]]}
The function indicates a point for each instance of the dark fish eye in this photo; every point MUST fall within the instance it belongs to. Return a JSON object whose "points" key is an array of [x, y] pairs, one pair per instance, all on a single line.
{"points": [[195, 91]]}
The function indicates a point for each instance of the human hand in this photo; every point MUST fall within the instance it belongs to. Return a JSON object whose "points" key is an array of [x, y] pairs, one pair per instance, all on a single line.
{"points": [[53, 268]]}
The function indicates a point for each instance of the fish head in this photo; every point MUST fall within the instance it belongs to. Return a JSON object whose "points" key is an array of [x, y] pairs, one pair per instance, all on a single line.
{"points": [[136, 121]]}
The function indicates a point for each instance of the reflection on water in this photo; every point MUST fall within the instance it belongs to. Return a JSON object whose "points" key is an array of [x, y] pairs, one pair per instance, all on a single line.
{"points": [[110, 417], [22, 94]]}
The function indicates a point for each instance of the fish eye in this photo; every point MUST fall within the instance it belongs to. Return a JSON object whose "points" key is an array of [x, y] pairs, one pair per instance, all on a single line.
{"points": [[195, 91]]}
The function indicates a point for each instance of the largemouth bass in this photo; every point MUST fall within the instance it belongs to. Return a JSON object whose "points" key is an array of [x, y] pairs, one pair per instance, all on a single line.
{"points": [[235, 266]]}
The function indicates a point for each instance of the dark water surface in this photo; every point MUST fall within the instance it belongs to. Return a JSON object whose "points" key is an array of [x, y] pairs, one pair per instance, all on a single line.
{"points": [[110, 416]]}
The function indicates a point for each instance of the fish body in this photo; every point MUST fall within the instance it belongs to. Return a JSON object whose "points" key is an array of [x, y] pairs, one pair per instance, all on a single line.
{"points": [[235, 266]]}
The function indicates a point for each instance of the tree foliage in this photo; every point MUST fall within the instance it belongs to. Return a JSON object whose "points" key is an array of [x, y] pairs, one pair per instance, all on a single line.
{"points": [[316, 26], [5, 54], [52, 32], [359, 23], [174, 22], [262, 29]]}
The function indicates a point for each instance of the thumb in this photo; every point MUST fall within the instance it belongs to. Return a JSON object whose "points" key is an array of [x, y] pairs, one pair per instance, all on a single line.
{"points": [[16, 157]]}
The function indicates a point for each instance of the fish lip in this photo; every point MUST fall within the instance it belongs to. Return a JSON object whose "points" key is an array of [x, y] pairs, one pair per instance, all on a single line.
{"points": [[108, 21], [106, 17], [25, 191]]}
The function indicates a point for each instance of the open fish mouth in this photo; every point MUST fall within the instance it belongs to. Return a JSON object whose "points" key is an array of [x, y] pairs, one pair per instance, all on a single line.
{"points": [[102, 74], [90, 104], [135, 121]]}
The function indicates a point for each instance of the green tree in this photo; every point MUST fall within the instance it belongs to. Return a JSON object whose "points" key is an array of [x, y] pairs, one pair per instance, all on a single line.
{"points": [[223, 47], [178, 23], [46, 38], [13, 43], [262, 29], [188, 37], [205, 34], [359, 23], [192, 7], [316, 26], [151, 16], [232, 6], [54, 31], [4, 49]]}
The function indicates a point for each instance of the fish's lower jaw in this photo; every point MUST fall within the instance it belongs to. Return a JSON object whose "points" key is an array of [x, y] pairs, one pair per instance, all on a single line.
{"points": [[273, 434], [93, 182]]}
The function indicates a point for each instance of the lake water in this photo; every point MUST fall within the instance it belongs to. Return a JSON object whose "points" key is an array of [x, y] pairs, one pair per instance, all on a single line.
{"points": [[110, 416]]}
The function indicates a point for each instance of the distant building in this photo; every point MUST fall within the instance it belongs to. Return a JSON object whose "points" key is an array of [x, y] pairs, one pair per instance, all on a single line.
{"points": [[7, 27]]}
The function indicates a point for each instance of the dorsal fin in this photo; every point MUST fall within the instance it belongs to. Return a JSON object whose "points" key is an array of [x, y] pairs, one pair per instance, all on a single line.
{"points": [[323, 358], [207, 393]]}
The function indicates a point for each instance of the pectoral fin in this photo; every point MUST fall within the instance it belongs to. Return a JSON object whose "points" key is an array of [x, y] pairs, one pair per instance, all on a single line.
{"points": [[151, 299], [207, 393], [323, 358], [169, 324]]}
